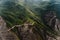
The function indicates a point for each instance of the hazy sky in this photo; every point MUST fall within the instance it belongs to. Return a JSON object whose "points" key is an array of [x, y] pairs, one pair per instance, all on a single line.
{"points": [[46, 0]]}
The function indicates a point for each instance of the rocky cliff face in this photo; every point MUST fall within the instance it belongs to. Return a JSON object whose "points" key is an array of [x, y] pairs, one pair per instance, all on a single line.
{"points": [[26, 32], [4, 34]]}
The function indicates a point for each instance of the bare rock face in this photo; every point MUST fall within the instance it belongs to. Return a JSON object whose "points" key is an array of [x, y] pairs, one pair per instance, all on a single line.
{"points": [[26, 32], [8, 36], [4, 34]]}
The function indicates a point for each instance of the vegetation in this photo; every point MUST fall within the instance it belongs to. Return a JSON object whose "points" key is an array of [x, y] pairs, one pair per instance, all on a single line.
{"points": [[15, 13]]}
